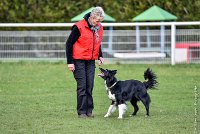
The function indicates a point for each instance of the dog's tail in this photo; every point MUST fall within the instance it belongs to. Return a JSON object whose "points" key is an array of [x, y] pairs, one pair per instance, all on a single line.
{"points": [[151, 77]]}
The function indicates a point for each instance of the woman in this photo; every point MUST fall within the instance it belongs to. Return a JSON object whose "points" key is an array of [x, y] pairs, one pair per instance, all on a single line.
{"points": [[83, 47]]}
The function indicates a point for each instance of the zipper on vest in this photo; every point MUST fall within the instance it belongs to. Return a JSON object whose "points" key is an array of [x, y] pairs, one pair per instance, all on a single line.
{"points": [[93, 46]]}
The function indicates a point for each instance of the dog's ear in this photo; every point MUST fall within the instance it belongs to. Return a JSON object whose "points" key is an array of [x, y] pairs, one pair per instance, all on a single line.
{"points": [[102, 70], [114, 72]]}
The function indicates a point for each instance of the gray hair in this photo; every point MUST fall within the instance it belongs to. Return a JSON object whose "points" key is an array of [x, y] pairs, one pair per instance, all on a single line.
{"points": [[97, 12]]}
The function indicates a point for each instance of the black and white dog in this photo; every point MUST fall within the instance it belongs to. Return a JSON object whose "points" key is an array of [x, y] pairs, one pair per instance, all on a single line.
{"points": [[129, 90]]}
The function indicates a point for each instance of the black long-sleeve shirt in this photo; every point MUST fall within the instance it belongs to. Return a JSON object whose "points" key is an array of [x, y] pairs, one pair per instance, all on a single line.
{"points": [[73, 37]]}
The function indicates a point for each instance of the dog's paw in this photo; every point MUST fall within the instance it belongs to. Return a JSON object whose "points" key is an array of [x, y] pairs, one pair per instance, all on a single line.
{"points": [[107, 115], [146, 116], [132, 115], [120, 118]]}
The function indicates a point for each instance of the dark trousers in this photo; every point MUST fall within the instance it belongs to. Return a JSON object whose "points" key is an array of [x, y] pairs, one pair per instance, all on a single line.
{"points": [[84, 75]]}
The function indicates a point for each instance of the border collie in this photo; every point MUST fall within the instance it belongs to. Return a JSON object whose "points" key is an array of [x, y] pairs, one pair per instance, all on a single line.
{"points": [[128, 90]]}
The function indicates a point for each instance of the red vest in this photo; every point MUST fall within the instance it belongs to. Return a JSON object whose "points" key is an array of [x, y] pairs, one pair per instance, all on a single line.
{"points": [[87, 46]]}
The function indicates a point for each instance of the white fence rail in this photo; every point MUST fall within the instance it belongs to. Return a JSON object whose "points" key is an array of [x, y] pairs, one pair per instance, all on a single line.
{"points": [[153, 42]]}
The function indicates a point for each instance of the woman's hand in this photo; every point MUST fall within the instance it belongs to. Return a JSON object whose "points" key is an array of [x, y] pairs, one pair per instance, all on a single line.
{"points": [[101, 61], [71, 67]]}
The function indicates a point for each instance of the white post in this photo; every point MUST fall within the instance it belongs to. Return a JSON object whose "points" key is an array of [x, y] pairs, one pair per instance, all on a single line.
{"points": [[110, 39], [148, 38], [137, 39], [173, 43], [162, 38]]}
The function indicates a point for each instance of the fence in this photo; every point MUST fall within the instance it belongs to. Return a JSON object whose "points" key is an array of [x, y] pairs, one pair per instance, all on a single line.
{"points": [[165, 42], [32, 45]]}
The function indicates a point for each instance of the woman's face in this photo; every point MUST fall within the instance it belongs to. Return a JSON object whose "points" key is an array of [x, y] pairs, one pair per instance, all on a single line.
{"points": [[95, 21]]}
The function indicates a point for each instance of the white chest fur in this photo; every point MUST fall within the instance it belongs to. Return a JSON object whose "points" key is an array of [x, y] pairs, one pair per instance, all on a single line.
{"points": [[110, 95]]}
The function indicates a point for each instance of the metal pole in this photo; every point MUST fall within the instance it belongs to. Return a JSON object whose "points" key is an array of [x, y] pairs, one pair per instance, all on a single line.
{"points": [[162, 38], [137, 39], [173, 43], [110, 39], [148, 38]]}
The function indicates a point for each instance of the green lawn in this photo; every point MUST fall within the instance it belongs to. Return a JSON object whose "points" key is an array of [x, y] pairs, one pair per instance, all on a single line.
{"points": [[41, 98]]}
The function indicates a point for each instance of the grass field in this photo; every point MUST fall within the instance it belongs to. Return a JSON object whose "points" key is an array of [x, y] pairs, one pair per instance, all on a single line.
{"points": [[41, 98]]}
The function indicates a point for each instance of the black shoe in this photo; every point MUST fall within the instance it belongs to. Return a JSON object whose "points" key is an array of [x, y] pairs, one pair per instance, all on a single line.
{"points": [[90, 115], [82, 116]]}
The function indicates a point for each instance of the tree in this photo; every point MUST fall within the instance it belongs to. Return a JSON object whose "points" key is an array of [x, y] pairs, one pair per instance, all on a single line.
{"points": [[17, 11]]}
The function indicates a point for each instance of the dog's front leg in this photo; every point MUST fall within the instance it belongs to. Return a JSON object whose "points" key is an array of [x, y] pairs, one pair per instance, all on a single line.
{"points": [[122, 110], [111, 109]]}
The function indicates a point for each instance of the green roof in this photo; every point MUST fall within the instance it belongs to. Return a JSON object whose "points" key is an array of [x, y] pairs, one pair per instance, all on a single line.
{"points": [[80, 16], [154, 13]]}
